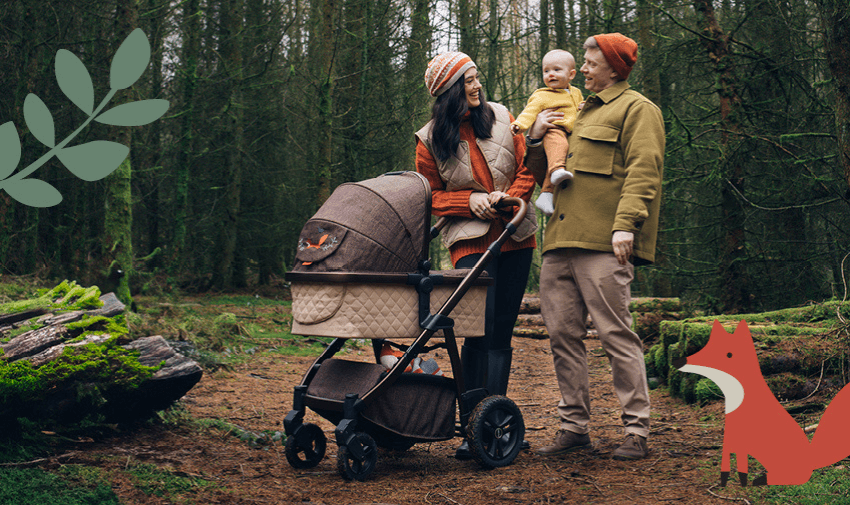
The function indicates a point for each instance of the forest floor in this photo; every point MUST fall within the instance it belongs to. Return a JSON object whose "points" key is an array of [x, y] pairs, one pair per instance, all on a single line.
{"points": [[221, 443], [255, 396]]}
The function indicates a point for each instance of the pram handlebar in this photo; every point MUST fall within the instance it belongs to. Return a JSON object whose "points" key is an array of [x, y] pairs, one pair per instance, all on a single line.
{"points": [[510, 201]]}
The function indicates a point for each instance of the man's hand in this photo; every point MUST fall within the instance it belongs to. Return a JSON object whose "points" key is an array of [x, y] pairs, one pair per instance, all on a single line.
{"points": [[623, 241], [544, 121]]}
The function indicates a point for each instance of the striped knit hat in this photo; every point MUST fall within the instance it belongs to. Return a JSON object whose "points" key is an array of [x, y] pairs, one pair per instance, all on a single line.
{"points": [[444, 70], [620, 52]]}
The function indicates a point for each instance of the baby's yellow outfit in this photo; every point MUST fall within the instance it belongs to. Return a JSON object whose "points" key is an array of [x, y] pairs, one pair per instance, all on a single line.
{"points": [[567, 102]]}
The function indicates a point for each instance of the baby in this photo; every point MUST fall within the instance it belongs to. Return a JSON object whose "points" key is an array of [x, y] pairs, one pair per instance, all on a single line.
{"points": [[559, 68]]}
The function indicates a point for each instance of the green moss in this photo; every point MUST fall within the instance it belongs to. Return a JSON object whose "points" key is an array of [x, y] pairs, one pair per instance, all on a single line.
{"points": [[99, 324], [660, 360], [649, 360], [107, 366], [655, 305], [670, 331], [707, 391], [64, 297], [152, 480], [23, 329], [31, 486]]}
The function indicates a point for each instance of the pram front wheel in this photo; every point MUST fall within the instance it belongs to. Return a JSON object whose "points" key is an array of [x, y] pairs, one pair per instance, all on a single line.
{"points": [[350, 467], [495, 432], [306, 448]]}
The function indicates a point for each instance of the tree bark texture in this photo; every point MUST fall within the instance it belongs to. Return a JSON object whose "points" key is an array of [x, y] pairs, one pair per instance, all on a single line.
{"points": [[732, 270], [835, 17]]}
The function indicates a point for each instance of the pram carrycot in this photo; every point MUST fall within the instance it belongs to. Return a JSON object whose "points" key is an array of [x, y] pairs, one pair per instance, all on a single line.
{"points": [[362, 271]]}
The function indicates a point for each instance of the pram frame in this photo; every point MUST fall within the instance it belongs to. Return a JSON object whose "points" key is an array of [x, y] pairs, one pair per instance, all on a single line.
{"points": [[356, 458]]}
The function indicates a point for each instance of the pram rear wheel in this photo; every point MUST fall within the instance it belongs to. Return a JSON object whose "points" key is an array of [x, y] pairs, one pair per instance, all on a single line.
{"points": [[352, 468], [495, 432], [308, 448]]}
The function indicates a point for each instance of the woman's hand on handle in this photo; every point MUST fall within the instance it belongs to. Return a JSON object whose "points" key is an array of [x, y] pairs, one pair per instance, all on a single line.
{"points": [[479, 205], [496, 196]]}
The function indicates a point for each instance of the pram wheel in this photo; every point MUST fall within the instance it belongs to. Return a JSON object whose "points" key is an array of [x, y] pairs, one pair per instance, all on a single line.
{"points": [[352, 468], [495, 432], [308, 448]]}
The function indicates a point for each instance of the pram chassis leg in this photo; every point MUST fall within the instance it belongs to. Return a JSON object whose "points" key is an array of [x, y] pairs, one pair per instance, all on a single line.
{"points": [[295, 417], [345, 433]]}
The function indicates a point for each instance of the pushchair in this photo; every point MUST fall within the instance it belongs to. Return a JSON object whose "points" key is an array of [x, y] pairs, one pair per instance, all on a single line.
{"points": [[362, 272]]}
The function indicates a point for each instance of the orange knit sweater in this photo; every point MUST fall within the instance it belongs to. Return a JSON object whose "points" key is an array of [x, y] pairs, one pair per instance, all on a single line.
{"points": [[456, 203]]}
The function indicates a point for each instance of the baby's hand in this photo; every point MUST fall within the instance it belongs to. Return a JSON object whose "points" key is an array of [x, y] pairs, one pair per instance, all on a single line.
{"points": [[514, 129]]}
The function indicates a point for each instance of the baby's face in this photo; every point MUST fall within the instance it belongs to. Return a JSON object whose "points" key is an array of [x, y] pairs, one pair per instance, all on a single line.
{"points": [[559, 68]]}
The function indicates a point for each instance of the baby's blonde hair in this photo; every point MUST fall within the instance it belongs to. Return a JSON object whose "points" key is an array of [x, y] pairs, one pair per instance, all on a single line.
{"points": [[565, 54]]}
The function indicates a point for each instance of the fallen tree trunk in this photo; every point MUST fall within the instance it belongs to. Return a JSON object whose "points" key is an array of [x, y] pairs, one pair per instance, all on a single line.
{"points": [[72, 356]]}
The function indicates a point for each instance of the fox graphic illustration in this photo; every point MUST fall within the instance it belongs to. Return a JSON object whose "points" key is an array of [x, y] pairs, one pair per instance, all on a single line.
{"points": [[756, 423]]}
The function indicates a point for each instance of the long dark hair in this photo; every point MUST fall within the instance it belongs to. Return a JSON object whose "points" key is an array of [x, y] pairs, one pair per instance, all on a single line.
{"points": [[447, 113]]}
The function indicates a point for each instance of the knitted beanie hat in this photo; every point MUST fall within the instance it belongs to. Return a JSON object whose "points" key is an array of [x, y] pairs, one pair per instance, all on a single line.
{"points": [[444, 70], [619, 50]]}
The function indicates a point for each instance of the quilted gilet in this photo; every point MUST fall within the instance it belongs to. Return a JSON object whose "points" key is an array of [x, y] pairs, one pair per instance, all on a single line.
{"points": [[456, 172]]}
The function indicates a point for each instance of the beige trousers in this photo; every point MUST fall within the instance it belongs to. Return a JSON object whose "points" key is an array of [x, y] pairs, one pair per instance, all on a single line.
{"points": [[573, 283], [556, 145]]}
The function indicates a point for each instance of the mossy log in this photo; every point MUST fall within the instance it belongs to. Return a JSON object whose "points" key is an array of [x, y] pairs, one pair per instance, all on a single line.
{"points": [[796, 349], [529, 320], [647, 314], [530, 304], [67, 355]]}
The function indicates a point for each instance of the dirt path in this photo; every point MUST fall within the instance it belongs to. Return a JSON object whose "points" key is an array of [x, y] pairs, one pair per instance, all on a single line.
{"points": [[681, 468]]}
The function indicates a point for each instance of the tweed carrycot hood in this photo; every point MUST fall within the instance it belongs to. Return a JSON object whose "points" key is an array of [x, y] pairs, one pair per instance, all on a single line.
{"points": [[376, 225]]}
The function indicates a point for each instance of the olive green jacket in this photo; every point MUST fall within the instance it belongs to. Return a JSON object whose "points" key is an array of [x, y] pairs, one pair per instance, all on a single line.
{"points": [[617, 158]]}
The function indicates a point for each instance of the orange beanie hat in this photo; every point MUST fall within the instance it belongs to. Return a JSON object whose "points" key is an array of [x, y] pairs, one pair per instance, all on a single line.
{"points": [[444, 70], [619, 50]]}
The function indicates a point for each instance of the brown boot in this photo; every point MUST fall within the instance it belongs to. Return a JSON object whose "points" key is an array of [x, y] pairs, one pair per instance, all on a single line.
{"points": [[565, 441], [634, 447]]}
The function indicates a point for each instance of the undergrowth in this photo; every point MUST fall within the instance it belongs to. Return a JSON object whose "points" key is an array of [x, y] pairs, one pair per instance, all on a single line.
{"points": [[33, 486]]}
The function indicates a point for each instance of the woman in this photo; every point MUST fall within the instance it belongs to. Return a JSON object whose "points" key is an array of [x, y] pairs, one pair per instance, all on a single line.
{"points": [[472, 161]]}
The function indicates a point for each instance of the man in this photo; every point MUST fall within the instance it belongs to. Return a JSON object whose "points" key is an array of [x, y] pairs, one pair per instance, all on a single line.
{"points": [[605, 221]]}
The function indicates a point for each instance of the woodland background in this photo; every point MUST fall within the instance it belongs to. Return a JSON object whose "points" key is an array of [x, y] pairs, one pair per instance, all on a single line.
{"points": [[274, 103]]}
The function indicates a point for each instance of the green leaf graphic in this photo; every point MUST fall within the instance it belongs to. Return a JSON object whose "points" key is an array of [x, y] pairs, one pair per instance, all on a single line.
{"points": [[10, 146], [94, 160], [33, 192], [39, 120], [74, 80], [130, 60], [134, 113]]}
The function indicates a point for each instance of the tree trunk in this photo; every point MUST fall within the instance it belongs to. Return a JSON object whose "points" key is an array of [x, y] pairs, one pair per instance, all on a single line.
{"points": [[560, 25], [732, 269], [544, 31], [231, 182], [117, 245], [464, 24], [190, 50], [493, 60], [835, 18], [325, 61]]}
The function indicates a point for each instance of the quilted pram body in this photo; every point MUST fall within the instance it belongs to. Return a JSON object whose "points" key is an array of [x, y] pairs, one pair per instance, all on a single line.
{"points": [[362, 272]]}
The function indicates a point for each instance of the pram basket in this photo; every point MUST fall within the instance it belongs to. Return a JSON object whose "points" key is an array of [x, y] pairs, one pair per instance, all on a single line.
{"points": [[362, 271]]}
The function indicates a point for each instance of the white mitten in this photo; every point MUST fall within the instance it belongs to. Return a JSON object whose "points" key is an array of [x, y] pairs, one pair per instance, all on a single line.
{"points": [[559, 176], [545, 203]]}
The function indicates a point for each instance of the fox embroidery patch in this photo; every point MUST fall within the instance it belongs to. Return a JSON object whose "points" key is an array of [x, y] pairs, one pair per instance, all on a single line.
{"points": [[756, 423]]}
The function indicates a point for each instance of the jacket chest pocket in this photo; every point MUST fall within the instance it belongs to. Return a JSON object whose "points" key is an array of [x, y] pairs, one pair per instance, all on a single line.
{"points": [[594, 150]]}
